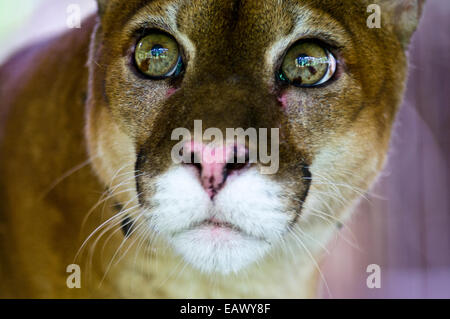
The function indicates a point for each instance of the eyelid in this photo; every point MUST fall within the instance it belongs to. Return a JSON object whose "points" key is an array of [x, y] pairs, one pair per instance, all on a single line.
{"points": [[328, 39], [147, 26]]}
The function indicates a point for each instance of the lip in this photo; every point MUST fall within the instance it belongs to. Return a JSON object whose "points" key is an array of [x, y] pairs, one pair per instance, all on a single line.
{"points": [[215, 223]]}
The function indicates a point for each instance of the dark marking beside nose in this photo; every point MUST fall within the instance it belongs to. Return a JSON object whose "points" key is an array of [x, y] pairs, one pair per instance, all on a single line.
{"points": [[307, 178], [127, 223], [127, 226]]}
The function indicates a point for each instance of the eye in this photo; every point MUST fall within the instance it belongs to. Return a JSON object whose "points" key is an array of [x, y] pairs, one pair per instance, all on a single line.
{"points": [[157, 55], [307, 64]]}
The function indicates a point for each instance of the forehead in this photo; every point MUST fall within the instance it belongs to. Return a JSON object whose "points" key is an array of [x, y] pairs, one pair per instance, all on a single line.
{"points": [[235, 20]]}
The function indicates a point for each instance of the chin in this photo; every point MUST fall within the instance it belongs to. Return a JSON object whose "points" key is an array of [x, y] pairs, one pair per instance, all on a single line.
{"points": [[215, 249]]}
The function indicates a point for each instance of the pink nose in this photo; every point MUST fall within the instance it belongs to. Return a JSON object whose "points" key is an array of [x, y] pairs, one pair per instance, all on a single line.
{"points": [[215, 164]]}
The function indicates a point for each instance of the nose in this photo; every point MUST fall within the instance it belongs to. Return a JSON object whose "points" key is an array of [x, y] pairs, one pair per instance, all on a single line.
{"points": [[215, 163]]}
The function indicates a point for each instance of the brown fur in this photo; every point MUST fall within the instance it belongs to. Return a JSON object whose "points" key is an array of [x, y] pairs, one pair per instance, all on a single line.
{"points": [[61, 107]]}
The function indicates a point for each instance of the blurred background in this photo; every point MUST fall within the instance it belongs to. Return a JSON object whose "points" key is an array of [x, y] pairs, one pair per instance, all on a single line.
{"points": [[404, 225]]}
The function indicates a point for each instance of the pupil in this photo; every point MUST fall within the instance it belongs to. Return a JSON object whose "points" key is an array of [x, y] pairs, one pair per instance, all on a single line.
{"points": [[158, 51]]}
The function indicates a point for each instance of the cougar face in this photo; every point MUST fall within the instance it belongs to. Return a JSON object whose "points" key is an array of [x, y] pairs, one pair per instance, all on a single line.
{"points": [[321, 83]]}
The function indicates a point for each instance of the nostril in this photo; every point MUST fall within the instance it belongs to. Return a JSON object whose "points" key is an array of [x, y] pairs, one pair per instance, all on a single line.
{"points": [[235, 166], [240, 160]]}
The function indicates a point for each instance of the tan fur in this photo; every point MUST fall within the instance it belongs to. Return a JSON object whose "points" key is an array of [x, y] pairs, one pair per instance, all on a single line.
{"points": [[74, 99]]}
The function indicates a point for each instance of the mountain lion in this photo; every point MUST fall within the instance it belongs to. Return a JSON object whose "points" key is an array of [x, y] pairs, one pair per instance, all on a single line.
{"points": [[100, 197]]}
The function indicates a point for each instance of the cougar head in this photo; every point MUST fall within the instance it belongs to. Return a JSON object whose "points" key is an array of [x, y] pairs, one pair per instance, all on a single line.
{"points": [[308, 91]]}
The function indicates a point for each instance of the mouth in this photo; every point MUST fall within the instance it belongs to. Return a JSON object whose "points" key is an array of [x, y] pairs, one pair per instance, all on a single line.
{"points": [[216, 229], [215, 223]]}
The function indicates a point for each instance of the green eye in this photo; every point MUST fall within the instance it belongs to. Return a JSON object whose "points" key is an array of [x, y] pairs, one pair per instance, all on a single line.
{"points": [[158, 56], [307, 64]]}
